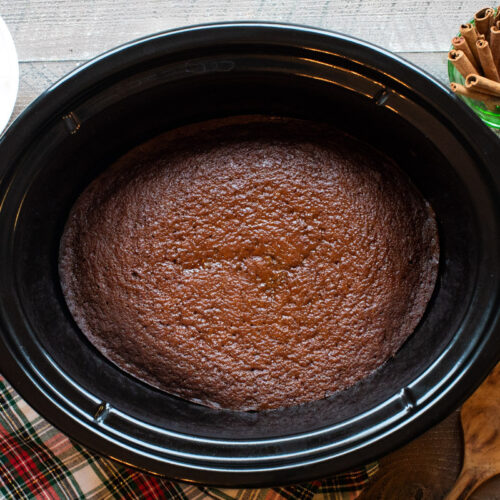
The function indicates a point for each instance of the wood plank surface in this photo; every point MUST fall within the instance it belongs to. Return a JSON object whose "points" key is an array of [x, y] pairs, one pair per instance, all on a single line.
{"points": [[69, 29]]}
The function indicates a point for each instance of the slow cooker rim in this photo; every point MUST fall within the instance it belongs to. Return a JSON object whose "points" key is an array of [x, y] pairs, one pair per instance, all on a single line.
{"points": [[18, 124]]}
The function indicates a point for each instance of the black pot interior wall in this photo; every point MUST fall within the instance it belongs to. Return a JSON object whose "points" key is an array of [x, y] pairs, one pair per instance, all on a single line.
{"points": [[118, 117]]}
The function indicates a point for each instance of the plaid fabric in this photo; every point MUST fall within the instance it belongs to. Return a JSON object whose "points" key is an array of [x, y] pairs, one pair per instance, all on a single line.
{"points": [[39, 462]]}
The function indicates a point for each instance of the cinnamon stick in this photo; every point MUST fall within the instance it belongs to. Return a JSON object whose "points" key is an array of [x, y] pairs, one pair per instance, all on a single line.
{"points": [[489, 101], [460, 61], [495, 45], [483, 20], [482, 84], [460, 43], [470, 34], [486, 59]]}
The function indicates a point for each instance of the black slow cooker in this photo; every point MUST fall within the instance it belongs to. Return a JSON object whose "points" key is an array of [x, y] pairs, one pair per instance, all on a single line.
{"points": [[124, 97]]}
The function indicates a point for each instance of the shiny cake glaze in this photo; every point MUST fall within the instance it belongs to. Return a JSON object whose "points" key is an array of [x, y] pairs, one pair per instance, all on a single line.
{"points": [[250, 263]]}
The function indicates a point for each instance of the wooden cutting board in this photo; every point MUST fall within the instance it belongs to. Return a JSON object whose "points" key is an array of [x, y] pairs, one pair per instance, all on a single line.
{"points": [[480, 417], [428, 467]]}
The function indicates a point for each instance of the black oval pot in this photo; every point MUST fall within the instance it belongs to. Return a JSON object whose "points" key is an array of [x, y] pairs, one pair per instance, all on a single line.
{"points": [[104, 108]]}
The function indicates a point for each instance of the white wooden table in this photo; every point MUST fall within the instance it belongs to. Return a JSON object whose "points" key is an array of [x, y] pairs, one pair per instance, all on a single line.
{"points": [[55, 36]]}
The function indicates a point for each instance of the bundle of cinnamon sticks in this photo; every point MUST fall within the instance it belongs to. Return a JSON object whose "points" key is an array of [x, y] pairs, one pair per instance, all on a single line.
{"points": [[476, 55]]}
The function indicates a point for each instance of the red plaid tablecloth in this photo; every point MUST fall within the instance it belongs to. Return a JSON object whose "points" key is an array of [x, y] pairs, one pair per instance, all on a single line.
{"points": [[39, 462]]}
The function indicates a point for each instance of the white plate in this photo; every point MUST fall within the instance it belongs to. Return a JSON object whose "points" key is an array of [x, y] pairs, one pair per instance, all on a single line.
{"points": [[9, 75]]}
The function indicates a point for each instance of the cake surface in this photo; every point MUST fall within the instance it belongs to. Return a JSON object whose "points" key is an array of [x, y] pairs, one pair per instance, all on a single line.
{"points": [[250, 263]]}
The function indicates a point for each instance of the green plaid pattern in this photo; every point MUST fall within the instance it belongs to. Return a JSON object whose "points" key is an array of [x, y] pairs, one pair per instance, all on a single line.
{"points": [[39, 462]]}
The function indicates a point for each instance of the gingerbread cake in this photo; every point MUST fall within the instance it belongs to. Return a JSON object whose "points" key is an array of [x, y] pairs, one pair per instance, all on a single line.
{"points": [[250, 263]]}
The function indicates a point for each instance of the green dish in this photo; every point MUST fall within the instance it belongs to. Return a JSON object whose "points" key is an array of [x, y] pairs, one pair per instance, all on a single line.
{"points": [[490, 118]]}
